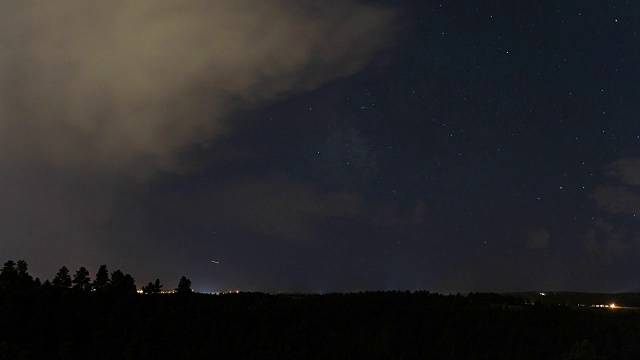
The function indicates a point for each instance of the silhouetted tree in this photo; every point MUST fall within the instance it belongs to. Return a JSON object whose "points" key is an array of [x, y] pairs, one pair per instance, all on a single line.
{"points": [[62, 278], [21, 268], [102, 278], [24, 279], [8, 268], [129, 284], [152, 288], [8, 276], [122, 283], [148, 289], [81, 279], [184, 286]]}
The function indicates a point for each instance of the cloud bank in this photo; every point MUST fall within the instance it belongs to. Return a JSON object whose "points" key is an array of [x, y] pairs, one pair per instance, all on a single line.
{"points": [[614, 236], [278, 207], [622, 198], [121, 85], [93, 94]]}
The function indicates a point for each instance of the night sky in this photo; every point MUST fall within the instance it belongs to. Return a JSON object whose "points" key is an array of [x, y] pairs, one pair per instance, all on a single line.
{"points": [[341, 146]]}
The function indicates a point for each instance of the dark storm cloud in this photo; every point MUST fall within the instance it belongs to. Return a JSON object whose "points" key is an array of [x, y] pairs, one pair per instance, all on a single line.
{"points": [[284, 228], [51, 218], [277, 207], [125, 85], [290, 210]]}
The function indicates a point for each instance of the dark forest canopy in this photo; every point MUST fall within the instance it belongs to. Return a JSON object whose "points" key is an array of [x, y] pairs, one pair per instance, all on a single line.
{"points": [[15, 277], [76, 317]]}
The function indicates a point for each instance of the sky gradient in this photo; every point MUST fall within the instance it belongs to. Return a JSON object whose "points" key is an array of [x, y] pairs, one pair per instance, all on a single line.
{"points": [[445, 146]]}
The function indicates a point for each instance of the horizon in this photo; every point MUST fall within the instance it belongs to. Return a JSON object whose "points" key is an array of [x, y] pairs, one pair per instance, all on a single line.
{"points": [[204, 290]]}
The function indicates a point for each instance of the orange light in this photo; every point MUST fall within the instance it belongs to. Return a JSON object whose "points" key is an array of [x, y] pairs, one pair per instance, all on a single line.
{"points": [[612, 306]]}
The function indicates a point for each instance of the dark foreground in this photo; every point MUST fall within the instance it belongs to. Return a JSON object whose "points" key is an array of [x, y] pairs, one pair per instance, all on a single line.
{"points": [[55, 323]]}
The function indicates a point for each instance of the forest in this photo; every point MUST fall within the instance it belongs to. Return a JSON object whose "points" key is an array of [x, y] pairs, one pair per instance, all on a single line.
{"points": [[77, 317]]}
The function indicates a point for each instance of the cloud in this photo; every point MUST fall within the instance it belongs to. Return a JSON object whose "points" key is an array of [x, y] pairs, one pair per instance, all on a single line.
{"points": [[613, 238], [627, 170], [591, 241], [275, 206], [288, 209], [125, 86], [51, 219], [617, 199], [97, 96], [399, 216], [609, 241], [620, 199], [538, 238]]}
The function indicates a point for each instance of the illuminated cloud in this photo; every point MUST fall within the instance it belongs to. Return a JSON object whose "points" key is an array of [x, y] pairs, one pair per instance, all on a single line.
{"points": [[121, 85], [90, 91]]}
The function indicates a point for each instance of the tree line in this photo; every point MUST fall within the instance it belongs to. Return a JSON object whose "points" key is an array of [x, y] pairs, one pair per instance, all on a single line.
{"points": [[14, 276], [77, 316]]}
